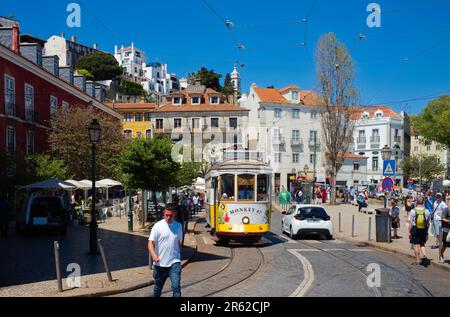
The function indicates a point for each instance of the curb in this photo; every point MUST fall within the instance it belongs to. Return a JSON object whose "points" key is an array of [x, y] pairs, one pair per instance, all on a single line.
{"points": [[134, 287], [381, 248]]}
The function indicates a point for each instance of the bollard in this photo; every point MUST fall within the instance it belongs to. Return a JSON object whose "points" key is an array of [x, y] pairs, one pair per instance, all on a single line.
{"points": [[58, 266], [370, 228], [441, 233], [105, 262], [340, 222], [353, 226]]}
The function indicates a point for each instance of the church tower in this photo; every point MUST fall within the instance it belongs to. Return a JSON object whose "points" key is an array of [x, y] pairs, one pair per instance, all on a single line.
{"points": [[236, 80]]}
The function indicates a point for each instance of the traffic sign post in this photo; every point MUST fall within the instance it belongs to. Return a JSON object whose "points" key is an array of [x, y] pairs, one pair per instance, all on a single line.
{"points": [[388, 184], [389, 168]]}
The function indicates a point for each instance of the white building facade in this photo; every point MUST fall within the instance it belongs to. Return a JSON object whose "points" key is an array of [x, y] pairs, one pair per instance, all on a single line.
{"points": [[376, 127], [132, 60], [159, 80], [285, 125], [68, 51]]}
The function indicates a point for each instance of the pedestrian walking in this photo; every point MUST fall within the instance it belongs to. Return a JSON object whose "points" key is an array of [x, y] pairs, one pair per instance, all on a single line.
{"points": [[299, 196], [4, 217], [395, 216], [164, 245], [436, 216], [419, 219], [318, 197], [196, 202], [361, 201], [445, 219]]}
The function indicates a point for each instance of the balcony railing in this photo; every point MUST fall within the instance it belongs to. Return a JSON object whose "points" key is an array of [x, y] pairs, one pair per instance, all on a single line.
{"points": [[296, 142], [314, 142], [279, 140], [361, 140], [11, 109], [375, 139]]}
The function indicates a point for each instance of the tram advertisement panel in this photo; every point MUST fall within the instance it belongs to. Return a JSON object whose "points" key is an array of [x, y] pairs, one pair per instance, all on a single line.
{"points": [[238, 214]]}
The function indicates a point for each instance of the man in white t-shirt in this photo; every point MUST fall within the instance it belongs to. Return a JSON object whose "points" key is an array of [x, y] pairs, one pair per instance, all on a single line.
{"points": [[164, 245]]}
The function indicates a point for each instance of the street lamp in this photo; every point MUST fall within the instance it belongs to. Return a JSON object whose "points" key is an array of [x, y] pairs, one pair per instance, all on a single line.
{"points": [[386, 153], [94, 137], [306, 170]]}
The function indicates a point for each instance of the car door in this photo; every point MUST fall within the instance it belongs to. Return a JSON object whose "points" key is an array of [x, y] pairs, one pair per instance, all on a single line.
{"points": [[288, 218]]}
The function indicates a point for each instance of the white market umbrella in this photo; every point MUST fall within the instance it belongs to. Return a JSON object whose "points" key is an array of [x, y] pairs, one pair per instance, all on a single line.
{"points": [[107, 183], [51, 183], [87, 185], [77, 184]]}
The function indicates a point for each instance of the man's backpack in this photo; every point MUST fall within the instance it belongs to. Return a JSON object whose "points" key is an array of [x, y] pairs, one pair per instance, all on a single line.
{"points": [[421, 220]]}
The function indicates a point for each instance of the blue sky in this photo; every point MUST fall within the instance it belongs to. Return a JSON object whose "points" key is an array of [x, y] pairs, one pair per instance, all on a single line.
{"points": [[186, 34]]}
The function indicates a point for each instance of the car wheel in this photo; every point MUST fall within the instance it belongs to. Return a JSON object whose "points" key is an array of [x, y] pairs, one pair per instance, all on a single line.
{"points": [[291, 233], [329, 237]]}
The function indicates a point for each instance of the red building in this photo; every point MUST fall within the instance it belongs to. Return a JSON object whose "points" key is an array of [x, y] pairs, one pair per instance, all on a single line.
{"points": [[32, 87]]}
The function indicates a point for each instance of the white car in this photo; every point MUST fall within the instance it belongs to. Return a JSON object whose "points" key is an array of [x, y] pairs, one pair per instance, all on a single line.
{"points": [[307, 219]]}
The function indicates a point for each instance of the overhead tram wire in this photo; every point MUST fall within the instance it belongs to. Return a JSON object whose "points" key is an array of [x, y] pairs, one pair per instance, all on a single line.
{"points": [[114, 35], [396, 102]]}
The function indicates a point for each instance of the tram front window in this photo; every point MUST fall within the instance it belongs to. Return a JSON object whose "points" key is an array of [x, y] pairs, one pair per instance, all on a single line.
{"points": [[246, 187], [227, 187], [263, 188]]}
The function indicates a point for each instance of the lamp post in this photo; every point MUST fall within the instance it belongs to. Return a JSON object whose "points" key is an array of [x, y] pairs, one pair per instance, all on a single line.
{"points": [[306, 170], [386, 153], [94, 136]]}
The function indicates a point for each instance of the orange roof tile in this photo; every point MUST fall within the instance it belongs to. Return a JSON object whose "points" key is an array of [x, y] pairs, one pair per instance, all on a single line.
{"points": [[387, 112], [291, 87], [310, 98], [270, 95]]}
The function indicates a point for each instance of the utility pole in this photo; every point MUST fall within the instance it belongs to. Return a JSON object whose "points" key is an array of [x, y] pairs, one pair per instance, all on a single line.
{"points": [[314, 170]]}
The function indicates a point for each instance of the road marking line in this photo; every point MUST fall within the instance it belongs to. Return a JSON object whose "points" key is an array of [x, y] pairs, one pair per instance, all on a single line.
{"points": [[331, 250], [308, 272], [305, 250], [361, 250], [336, 242], [313, 241]]}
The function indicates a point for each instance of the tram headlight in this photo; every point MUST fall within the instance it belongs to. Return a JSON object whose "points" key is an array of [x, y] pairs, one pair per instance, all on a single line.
{"points": [[246, 220]]}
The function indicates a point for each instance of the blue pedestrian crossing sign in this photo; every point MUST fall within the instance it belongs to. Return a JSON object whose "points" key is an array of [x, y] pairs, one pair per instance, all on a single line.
{"points": [[389, 168]]}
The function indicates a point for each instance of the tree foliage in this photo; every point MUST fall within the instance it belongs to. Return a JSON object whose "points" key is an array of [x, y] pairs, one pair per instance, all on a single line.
{"points": [[86, 74], [69, 139], [43, 166], [434, 121], [188, 174], [131, 88], [102, 66], [206, 77], [423, 167], [335, 75], [228, 87]]}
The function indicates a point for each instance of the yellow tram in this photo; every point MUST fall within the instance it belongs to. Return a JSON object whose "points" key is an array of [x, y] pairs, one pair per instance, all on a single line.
{"points": [[239, 200]]}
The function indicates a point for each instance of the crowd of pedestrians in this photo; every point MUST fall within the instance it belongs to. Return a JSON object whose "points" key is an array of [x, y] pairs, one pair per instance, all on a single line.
{"points": [[427, 216]]}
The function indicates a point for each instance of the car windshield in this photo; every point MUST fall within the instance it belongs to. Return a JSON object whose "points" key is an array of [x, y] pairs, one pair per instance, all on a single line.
{"points": [[46, 206], [313, 212]]}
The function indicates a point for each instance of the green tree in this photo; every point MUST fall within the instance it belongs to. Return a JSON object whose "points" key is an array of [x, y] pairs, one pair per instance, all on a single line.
{"points": [[43, 167], [228, 88], [423, 167], [207, 77], [433, 122], [131, 88], [70, 141], [187, 174], [86, 74], [102, 66]]}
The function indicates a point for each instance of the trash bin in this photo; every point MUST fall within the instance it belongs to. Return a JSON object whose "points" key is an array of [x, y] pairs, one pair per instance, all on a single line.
{"points": [[383, 223]]}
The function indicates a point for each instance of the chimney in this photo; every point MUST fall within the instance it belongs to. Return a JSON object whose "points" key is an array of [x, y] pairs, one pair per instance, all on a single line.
{"points": [[99, 93], [115, 49], [63, 35], [95, 46], [90, 88], [51, 64], [15, 39], [66, 73], [32, 52], [74, 38], [80, 82]]}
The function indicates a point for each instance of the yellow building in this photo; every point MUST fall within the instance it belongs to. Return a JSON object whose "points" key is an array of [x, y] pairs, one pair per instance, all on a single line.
{"points": [[421, 146], [137, 122]]}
